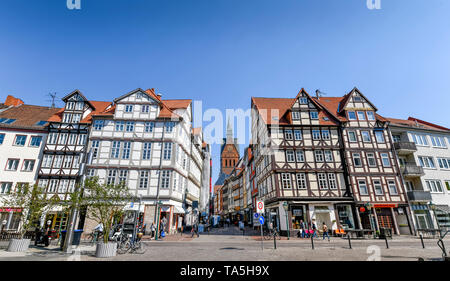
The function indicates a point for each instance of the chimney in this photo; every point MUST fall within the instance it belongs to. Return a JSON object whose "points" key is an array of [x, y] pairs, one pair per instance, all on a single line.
{"points": [[317, 94], [12, 101], [159, 95]]}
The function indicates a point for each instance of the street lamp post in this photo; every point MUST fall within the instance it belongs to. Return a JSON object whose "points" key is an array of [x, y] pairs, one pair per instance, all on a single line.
{"points": [[286, 207], [157, 219]]}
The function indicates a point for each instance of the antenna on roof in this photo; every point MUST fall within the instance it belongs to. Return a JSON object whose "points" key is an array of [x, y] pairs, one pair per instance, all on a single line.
{"points": [[52, 98], [319, 93]]}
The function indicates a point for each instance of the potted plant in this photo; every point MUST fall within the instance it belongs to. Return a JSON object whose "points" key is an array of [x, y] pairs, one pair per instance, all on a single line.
{"points": [[32, 202], [105, 201]]}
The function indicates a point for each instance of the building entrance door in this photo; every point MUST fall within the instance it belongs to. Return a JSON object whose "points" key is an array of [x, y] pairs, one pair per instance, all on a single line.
{"points": [[422, 221]]}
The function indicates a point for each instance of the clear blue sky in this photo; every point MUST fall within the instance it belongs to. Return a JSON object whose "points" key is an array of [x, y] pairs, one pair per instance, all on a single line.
{"points": [[225, 51]]}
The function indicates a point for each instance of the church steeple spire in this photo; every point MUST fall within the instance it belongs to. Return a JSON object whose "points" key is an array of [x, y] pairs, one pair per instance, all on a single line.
{"points": [[229, 132]]}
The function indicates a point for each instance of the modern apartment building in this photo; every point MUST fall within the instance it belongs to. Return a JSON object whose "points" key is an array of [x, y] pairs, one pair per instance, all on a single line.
{"points": [[299, 164], [424, 157], [22, 140], [149, 144]]}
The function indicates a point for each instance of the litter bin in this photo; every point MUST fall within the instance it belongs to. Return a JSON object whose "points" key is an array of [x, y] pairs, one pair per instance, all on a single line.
{"points": [[76, 237], [385, 232]]}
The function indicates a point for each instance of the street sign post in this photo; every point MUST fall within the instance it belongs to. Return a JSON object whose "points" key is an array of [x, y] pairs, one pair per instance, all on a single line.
{"points": [[261, 222]]}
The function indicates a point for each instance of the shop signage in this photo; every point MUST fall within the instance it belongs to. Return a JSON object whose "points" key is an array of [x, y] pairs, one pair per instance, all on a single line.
{"points": [[297, 212], [385, 205]]}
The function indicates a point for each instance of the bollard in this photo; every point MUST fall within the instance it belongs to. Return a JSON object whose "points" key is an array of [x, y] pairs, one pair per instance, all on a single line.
{"points": [[421, 240], [312, 241], [385, 239], [349, 241], [274, 241]]}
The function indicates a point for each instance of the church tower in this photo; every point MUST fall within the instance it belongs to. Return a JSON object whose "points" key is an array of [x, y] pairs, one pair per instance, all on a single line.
{"points": [[229, 155]]}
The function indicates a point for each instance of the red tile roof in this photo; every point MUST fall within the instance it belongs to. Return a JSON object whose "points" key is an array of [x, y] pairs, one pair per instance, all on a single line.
{"points": [[100, 108], [27, 116], [10, 100], [420, 124]]}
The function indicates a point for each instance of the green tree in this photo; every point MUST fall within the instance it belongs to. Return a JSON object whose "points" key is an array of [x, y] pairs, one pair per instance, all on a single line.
{"points": [[105, 201], [33, 202]]}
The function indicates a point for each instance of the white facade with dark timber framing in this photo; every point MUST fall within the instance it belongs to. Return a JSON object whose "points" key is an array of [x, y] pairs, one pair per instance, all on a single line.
{"points": [[298, 160], [149, 144], [65, 150], [372, 165]]}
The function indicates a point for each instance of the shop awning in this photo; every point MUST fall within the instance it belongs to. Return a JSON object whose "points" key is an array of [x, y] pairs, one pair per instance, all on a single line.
{"points": [[178, 210]]}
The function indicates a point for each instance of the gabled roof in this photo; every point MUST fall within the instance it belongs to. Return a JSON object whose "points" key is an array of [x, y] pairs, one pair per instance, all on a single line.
{"points": [[99, 107], [79, 93], [27, 116], [347, 97]]}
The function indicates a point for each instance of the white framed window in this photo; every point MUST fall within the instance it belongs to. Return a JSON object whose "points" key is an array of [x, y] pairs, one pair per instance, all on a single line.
{"points": [[316, 134], [76, 118], [98, 125], [130, 126], [111, 178], [303, 100], [371, 160], [165, 179], [379, 136], [62, 138], [286, 181], [419, 139], [67, 161], [145, 108], [70, 105], [67, 117], [47, 161], [325, 134], [149, 127], [318, 154], [72, 139], [143, 179], [167, 153], [43, 183], [81, 139], [35, 141], [79, 105], [290, 156], [370, 115], [126, 150], [352, 136], [128, 108], [361, 115], [147, 151], [115, 150], [297, 134], [301, 180], [53, 186], [426, 162], [351, 115], [378, 187], [365, 136], [169, 127], [28, 165], [5, 187], [76, 161], [434, 186], [357, 99], [300, 155], [20, 140], [332, 181], [288, 134], [52, 138], [57, 162], [392, 187], [363, 187], [314, 115], [322, 180], [357, 160], [63, 185], [95, 146], [2, 138], [295, 115], [385, 159], [444, 163], [438, 141], [123, 176], [120, 125], [328, 155]]}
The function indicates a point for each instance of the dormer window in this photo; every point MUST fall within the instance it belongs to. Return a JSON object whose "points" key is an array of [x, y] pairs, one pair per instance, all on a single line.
{"points": [[70, 105], [351, 115], [303, 100], [79, 105]]}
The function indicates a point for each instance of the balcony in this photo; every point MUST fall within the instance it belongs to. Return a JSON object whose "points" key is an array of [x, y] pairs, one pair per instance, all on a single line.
{"points": [[411, 170], [419, 195], [405, 147]]}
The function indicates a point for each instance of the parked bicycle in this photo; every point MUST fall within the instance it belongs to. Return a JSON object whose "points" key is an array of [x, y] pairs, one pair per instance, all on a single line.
{"points": [[95, 236], [270, 233], [133, 246]]}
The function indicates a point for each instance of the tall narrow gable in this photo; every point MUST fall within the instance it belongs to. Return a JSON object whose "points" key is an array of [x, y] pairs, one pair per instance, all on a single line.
{"points": [[304, 110]]}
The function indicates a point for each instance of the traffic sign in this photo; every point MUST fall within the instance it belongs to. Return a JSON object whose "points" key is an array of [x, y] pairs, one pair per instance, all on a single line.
{"points": [[261, 220], [260, 207], [256, 216]]}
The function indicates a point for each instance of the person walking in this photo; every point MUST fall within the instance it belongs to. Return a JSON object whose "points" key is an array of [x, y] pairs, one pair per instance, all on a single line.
{"points": [[325, 231], [153, 229], [195, 230], [163, 226], [302, 228], [314, 228]]}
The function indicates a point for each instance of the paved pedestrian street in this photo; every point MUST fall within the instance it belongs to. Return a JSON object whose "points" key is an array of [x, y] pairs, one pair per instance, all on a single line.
{"points": [[228, 244]]}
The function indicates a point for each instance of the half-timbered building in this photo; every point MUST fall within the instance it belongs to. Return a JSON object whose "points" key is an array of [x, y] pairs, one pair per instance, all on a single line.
{"points": [[371, 164], [65, 151], [298, 161]]}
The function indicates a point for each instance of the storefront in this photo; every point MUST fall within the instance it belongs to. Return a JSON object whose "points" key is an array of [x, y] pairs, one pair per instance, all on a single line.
{"points": [[298, 214], [422, 216], [390, 216], [345, 216]]}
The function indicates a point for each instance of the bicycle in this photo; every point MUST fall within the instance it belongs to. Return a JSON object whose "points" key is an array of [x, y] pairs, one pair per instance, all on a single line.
{"points": [[269, 234], [131, 245], [95, 236]]}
